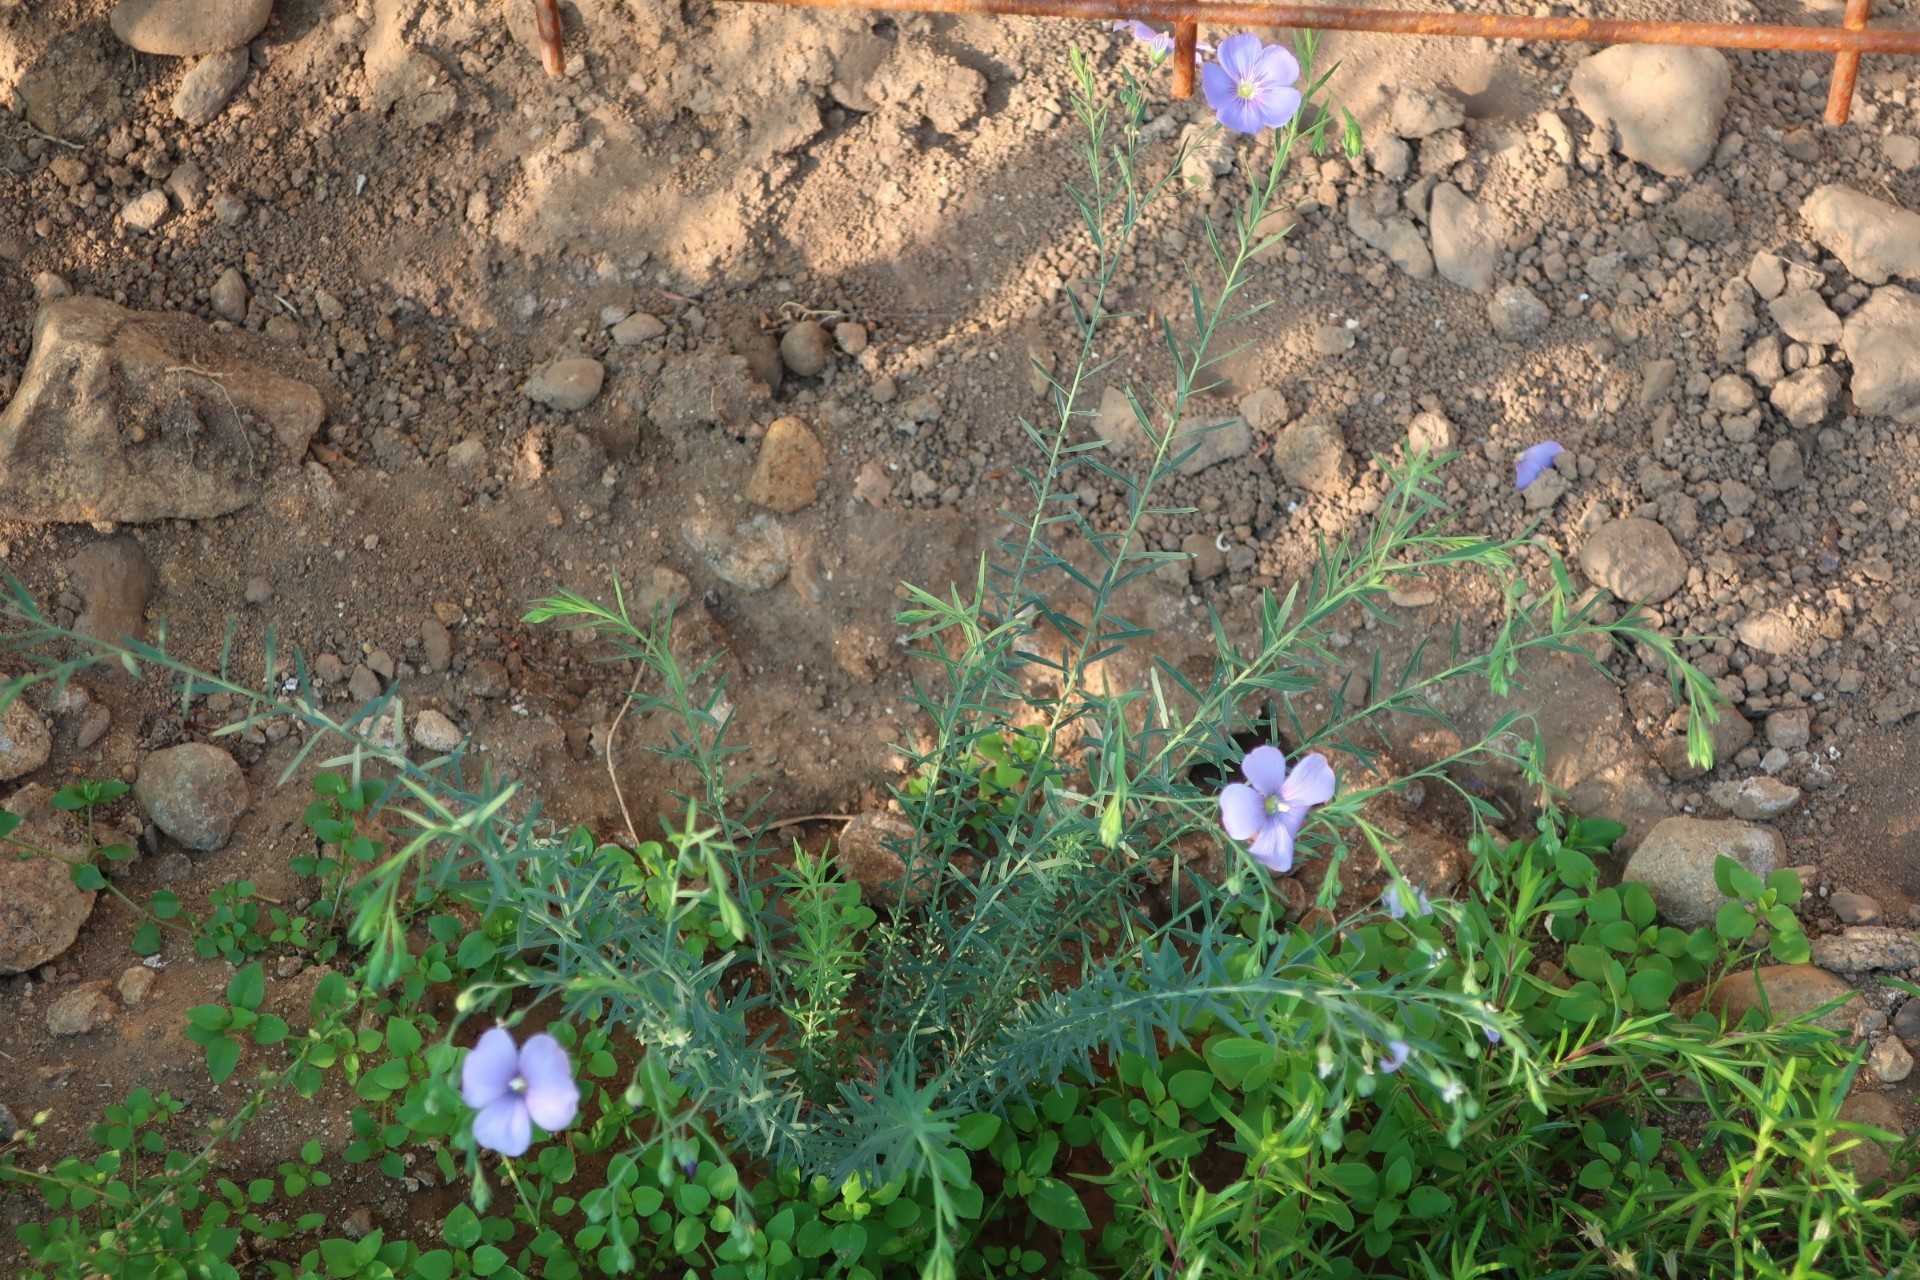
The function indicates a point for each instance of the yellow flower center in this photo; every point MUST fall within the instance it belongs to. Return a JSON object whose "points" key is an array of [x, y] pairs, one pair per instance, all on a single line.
{"points": [[1246, 89]]}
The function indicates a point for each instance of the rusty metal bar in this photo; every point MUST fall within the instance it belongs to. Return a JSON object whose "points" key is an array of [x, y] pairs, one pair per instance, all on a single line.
{"points": [[1846, 66], [546, 21], [1186, 39]]}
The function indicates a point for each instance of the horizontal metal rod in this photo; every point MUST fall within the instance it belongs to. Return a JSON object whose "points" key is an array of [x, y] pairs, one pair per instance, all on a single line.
{"points": [[1488, 26]]}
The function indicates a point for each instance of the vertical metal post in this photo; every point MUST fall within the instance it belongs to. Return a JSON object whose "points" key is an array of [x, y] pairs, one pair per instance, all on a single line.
{"points": [[1186, 36], [546, 21], [1846, 66]]}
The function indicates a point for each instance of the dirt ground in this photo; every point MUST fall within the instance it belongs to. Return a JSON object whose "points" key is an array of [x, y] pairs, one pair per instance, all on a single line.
{"points": [[422, 219]]}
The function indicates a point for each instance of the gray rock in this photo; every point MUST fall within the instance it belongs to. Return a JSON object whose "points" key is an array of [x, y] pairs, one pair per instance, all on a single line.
{"points": [[1807, 397], [135, 984], [194, 792], [1767, 632], [1731, 393], [189, 28], [229, 296], [1375, 223], [135, 416], [850, 336], [1467, 238], [1788, 991], [432, 730], [437, 643], [87, 1007], [25, 742], [41, 909], [806, 348], [1867, 947], [146, 211], [568, 384], [1419, 112], [1882, 342], [1312, 454], [1754, 799], [1637, 560], [1790, 728], [1676, 862], [753, 555], [115, 579], [702, 389], [1663, 103], [1515, 311], [1729, 735], [1855, 908], [1804, 316], [205, 90], [1906, 1022], [636, 329], [1875, 240], [1703, 215], [1786, 469]]}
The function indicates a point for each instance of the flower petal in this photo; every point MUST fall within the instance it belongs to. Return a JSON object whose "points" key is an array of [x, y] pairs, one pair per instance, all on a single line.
{"points": [[1276, 65], [1278, 106], [504, 1127], [1311, 782], [552, 1096], [1266, 768], [1273, 848], [1238, 53], [1534, 461], [489, 1069], [1243, 811], [1398, 1051], [1239, 115], [1218, 87]]}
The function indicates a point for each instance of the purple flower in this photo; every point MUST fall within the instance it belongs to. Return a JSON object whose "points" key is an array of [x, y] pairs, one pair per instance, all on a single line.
{"points": [[514, 1089], [1251, 85], [1534, 461], [1159, 43], [1492, 1034], [1398, 1051], [1269, 808], [1394, 899]]}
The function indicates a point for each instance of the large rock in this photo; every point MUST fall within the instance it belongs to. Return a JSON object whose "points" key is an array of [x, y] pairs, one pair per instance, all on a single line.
{"points": [[189, 28], [1865, 948], [25, 743], [1882, 342], [1876, 240], [41, 910], [1664, 103], [752, 555], [74, 90], [193, 792], [1376, 220], [1467, 238], [1635, 559], [1870, 1160], [134, 416], [1788, 990], [87, 1007], [1676, 862], [790, 468]]}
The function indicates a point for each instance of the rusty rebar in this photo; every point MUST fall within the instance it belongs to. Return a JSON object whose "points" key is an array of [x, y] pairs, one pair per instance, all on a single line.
{"points": [[546, 21], [1186, 39], [1846, 66], [1847, 39]]}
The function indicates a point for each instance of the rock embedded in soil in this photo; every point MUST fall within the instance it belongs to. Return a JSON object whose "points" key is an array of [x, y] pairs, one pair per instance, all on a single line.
{"points": [[41, 909], [229, 296], [1467, 238], [850, 336], [1635, 559], [25, 742], [432, 730], [194, 792], [1890, 1060], [1789, 990], [636, 329], [1419, 112], [137, 416], [147, 211], [1789, 728], [1855, 908], [88, 1007], [790, 469], [1312, 454], [1806, 398], [1866, 948], [115, 579], [1676, 861], [806, 348], [1804, 316], [1663, 103], [568, 384], [702, 389], [1729, 735], [1882, 342], [1869, 1160], [1376, 221], [206, 89], [135, 984], [1875, 240], [1906, 1022], [1786, 469], [866, 854], [752, 555], [1754, 799], [1516, 312], [189, 28]]}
